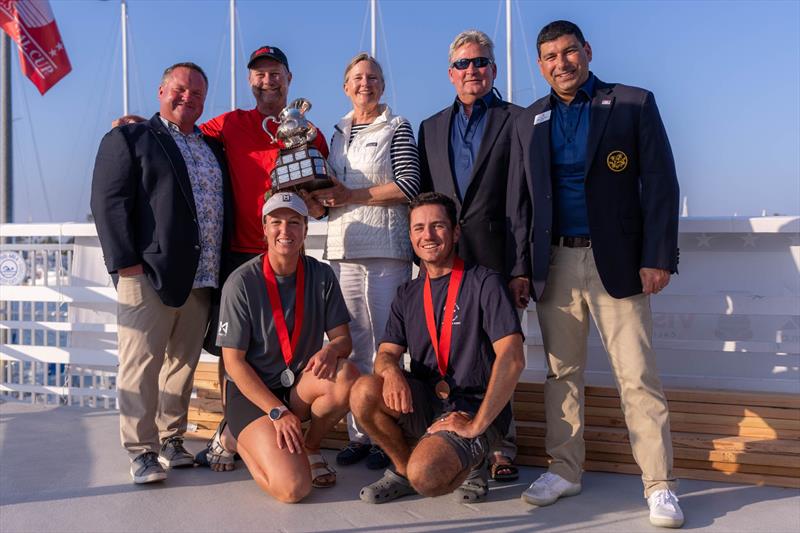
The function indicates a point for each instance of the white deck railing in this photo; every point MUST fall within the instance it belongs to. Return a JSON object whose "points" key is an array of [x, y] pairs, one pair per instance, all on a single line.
{"points": [[730, 320]]}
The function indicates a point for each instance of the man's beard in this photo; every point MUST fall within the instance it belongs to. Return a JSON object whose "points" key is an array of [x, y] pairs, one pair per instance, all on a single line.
{"points": [[268, 97]]}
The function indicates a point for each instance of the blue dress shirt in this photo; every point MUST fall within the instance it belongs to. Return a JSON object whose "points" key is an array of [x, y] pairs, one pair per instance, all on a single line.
{"points": [[466, 134], [569, 136]]}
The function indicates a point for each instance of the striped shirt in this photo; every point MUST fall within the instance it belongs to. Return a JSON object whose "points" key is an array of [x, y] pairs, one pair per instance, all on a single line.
{"points": [[405, 158]]}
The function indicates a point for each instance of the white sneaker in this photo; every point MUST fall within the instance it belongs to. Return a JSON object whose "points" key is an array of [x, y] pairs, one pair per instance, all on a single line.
{"points": [[664, 509], [548, 488]]}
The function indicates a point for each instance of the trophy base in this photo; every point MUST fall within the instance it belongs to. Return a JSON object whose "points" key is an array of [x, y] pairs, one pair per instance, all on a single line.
{"points": [[310, 183], [301, 168]]}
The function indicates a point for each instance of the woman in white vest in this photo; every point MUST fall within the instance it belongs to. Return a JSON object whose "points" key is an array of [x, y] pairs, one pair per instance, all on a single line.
{"points": [[375, 158]]}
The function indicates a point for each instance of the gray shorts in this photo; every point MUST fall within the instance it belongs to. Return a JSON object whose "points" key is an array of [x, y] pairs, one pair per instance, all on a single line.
{"points": [[427, 408]]}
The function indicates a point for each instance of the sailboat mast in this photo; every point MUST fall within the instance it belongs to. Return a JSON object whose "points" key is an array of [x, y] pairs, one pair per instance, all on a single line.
{"points": [[6, 167], [124, 23], [373, 48], [508, 52], [233, 53]]}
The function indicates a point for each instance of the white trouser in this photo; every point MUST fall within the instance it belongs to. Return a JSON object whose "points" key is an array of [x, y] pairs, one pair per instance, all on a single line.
{"points": [[368, 287]]}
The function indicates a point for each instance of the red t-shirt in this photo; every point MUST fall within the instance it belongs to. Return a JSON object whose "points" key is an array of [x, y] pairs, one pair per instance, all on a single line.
{"points": [[251, 158]]}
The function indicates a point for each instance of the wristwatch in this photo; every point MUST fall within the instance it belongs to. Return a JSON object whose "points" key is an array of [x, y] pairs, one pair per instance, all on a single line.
{"points": [[276, 412]]}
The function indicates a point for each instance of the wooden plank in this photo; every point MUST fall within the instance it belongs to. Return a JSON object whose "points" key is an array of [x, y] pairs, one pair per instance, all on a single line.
{"points": [[699, 465], [745, 444], [750, 421], [528, 411], [206, 367], [196, 416], [681, 426], [530, 387], [676, 406], [212, 385], [685, 473], [206, 405], [780, 413], [702, 465], [627, 459], [706, 428], [209, 394], [791, 461], [764, 399], [206, 375]]}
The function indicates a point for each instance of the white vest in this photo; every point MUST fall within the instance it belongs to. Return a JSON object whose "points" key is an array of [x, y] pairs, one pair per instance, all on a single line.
{"points": [[360, 231]]}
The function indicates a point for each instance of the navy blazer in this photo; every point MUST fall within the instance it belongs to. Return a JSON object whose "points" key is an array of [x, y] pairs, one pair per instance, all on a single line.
{"points": [[630, 184], [482, 213], [144, 209]]}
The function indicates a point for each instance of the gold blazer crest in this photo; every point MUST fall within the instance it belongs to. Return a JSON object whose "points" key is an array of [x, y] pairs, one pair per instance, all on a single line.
{"points": [[617, 161]]}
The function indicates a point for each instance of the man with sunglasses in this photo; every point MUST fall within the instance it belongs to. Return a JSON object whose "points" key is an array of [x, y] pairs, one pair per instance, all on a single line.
{"points": [[464, 154]]}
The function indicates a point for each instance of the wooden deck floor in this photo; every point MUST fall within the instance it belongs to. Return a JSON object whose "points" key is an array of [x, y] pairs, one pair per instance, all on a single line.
{"points": [[62, 469]]}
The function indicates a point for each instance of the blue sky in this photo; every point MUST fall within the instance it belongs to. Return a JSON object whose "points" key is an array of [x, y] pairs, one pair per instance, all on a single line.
{"points": [[726, 76]]}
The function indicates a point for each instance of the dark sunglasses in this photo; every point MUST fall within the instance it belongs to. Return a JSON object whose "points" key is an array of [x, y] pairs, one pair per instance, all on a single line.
{"points": [[463, 64]]}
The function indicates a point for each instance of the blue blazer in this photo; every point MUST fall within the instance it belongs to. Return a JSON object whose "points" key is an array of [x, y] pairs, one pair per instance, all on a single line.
{"points": [[481, 212], [631, 188], [144, 209]]}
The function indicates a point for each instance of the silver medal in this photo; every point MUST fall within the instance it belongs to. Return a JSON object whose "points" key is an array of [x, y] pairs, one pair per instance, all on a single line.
{"points": [[287, 378]]}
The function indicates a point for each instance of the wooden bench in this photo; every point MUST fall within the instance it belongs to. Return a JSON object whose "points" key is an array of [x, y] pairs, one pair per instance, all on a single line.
{"points": [[739, 437]]}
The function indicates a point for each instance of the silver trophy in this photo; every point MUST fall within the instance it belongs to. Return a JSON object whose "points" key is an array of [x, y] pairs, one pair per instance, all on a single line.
{"points": [[299, 165]]}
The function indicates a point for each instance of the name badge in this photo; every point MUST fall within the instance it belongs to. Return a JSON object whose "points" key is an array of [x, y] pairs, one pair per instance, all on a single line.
{"points": [[541, 117]]}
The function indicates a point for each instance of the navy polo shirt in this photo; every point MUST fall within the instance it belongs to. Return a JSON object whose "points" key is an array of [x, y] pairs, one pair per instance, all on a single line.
{"points": [[484, 314], [569, 137], [466, 134]]}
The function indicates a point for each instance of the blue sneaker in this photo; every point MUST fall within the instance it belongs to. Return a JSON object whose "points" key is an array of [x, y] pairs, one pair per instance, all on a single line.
{"points": [[377, 459], [352, 453], [146, 469]]}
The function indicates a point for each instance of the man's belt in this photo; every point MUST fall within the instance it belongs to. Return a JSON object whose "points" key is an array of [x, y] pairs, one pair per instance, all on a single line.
{"points": [[572, 242]]}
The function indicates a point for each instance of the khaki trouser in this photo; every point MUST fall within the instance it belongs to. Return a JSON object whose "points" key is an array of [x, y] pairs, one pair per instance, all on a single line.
{"points": [[573, 292], [159, 347]]}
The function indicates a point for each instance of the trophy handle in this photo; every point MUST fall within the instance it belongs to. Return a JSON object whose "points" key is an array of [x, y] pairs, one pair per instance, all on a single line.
{"points": [[264, 127], [311, 134], [302, 104]]}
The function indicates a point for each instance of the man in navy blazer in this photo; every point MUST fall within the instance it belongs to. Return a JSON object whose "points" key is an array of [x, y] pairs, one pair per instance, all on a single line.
{"points": [[463, 153], [593, 206], [158, 198]]}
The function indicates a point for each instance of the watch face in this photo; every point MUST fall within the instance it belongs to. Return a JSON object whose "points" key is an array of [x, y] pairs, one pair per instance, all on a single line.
{"points": [[275, 413]]}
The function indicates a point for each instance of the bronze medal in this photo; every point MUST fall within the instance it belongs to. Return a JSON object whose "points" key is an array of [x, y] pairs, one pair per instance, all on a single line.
{"points": [[442, 390], [441, 345]]}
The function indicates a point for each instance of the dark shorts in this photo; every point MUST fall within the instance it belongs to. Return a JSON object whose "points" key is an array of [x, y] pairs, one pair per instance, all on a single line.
{"points": [[240, 411], [427, 408]]}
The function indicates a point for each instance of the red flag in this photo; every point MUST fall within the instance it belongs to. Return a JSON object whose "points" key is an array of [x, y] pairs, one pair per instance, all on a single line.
{"points": [[31, 25]]}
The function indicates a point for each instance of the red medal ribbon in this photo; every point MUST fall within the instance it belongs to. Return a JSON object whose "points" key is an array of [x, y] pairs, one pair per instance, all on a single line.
{"points": [[287, 348], [441, 345]]}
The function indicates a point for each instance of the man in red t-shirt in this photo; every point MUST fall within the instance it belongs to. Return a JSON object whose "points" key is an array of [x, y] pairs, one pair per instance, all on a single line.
{"points": [[251, 155], [250, 151]]}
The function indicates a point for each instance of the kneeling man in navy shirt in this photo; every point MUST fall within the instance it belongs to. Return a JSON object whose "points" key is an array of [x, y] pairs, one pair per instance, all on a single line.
{"points": [[438, 422]]}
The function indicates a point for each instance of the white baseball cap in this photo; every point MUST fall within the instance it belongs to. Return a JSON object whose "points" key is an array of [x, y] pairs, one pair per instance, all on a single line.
{"points": [[288, 200]]}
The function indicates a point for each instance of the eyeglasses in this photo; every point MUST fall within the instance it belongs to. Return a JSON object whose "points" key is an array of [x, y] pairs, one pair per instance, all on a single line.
{"points": [[463, 64]]}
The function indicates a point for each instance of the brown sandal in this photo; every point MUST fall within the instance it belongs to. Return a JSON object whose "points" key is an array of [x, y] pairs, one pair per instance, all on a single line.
{"points": [[321, 471], [503, 472]]}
